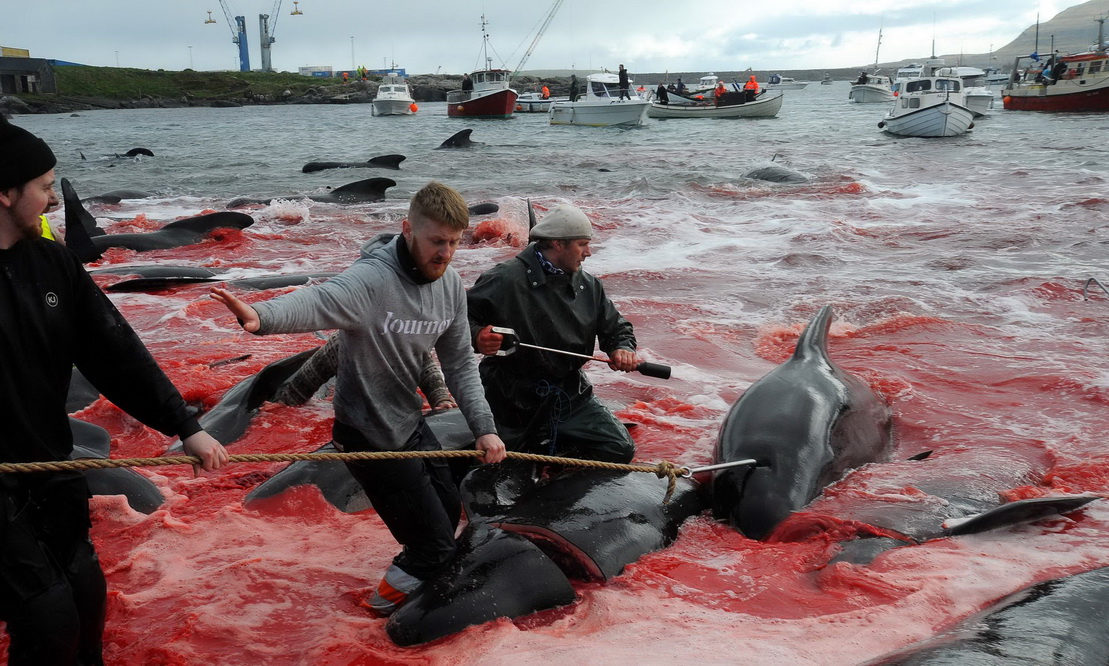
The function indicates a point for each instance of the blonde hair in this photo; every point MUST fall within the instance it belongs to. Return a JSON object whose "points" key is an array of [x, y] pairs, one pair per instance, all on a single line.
{"points": [[443, 204]]}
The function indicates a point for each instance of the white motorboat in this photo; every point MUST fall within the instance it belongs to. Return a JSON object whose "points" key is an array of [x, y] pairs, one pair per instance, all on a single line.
{"points": [[975, 87], [930, 105], [601, 105], [394, 97], [534, 102], [871, 89], [779, 82], [766, 105]]}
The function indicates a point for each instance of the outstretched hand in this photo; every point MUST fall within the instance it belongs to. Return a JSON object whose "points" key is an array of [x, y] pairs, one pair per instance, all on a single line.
{"points": [[244, 313]]}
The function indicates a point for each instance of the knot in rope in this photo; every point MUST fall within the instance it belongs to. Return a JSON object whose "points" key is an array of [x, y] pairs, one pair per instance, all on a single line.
{"points": [[671, 472]]}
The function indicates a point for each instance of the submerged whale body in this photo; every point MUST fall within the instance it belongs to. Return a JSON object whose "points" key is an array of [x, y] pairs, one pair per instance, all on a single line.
{"points": [[89, 242], [806, 423], [361, 191], [494, 574], [380, 162], [92, 441], [776, 173], [593, 523], [1060, 621]]}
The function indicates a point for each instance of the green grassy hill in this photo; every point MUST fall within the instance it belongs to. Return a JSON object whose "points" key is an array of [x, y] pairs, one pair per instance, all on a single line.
{"points": [[124, 83]]}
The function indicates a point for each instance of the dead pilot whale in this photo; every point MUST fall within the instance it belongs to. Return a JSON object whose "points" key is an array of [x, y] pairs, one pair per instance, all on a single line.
{"points": [[92, 441], [1059, 621], [88, 241], [379, 162], [806, 423]]}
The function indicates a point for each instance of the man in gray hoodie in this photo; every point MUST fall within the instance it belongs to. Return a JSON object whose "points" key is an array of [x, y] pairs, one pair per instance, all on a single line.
{"points": [[393, 306]]}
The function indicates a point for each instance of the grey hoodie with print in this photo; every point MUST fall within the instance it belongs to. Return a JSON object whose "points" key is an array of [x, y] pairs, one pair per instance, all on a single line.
{"points": [[387, 323]]}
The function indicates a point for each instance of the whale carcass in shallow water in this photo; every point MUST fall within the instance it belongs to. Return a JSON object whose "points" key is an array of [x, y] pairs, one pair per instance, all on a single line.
{"points": [[1060, 621], [92, 441], [806, 423], [89, 242]]}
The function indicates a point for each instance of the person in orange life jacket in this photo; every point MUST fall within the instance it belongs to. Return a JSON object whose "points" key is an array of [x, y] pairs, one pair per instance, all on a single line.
{"points": [[719, 92], [543, 402], [395, 304], [546, 92], [52, 317], [751, 89]]}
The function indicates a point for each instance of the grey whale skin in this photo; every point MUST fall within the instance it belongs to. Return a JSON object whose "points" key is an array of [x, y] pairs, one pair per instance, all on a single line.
{"points": [[806, 423]]}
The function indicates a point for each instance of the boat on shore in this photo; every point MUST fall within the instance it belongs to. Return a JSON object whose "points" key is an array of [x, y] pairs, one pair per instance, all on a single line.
{"points": [[766, 105], [1075, 82], [394, 98], [601, 105], [931, 105], [491, 96]]}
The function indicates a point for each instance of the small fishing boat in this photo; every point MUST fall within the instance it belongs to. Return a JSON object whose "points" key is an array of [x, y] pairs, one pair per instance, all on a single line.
{"points": [[872, 88], [931, 105], [491, 96], [1075, 82], [534, 102], [765, 105], [827, 80], [601, 105], [394, 97], [977, 90]]}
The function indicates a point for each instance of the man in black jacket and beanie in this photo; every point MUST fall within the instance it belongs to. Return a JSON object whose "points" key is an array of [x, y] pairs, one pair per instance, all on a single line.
{"points": [[548, 300], [52, 317]]}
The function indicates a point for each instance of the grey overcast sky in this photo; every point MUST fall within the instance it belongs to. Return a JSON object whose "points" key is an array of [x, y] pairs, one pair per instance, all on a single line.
{"points": [[426, 36]]}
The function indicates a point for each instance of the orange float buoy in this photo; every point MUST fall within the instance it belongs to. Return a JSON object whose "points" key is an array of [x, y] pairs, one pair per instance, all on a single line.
{"points": [[413, 108], [519, 107], [1006, 99]]}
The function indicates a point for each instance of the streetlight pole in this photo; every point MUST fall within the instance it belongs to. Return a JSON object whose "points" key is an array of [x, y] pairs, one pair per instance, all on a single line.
{"points": [[352, 65], [190, 57], [117, 58]]}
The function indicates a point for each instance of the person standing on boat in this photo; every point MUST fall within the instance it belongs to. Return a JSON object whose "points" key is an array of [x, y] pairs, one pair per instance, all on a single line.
{"points": [[542, 401], [751, 89], [52, 589], [574, 89], [681, 86], [662, 95], [467, 83], [392, 307], [624, 85], [546, 92], [719, 92]]}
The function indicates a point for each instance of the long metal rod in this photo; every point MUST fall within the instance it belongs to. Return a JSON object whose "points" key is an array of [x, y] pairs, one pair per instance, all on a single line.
{"points": [[1086, 287], [563, 351], [690, 471]]}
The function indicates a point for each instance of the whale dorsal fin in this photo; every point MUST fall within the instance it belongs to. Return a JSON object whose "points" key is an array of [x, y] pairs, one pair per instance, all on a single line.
{"points": [[813, 342]]}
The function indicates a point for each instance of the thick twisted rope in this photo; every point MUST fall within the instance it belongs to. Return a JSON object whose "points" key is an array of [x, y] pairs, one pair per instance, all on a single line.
{"points": [[662, 469]]}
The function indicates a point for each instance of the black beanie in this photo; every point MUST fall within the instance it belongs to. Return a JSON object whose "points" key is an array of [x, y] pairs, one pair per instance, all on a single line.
{"points": [[23, 156]]}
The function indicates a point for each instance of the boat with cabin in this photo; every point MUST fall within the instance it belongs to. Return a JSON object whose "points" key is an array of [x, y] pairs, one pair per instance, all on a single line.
{"points": [[872, 87], [1075, 82], [977, 90], [779, 82], [601, 105], [394, 98], [930, 105], [491, 95]]}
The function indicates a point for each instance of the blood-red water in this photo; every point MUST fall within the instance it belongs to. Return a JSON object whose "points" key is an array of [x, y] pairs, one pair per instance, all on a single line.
{"points": [[957, 285]]}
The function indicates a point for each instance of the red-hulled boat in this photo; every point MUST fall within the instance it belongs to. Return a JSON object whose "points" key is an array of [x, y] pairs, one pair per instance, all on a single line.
{"points": [[1075, 82], [491, 96]]}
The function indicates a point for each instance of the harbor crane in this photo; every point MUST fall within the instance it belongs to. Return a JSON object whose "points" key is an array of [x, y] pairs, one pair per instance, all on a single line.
{"points": [[543, 28], [265, 29]]}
